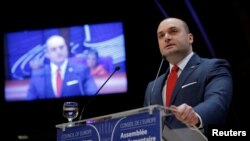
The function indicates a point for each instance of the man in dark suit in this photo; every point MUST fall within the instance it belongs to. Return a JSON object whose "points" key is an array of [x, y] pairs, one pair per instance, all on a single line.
{"points": [[61, 77], [203, 89]]}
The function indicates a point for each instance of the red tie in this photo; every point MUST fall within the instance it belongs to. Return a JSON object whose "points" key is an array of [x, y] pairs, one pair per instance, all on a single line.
{"points": [[172, 77], [58, 83]]}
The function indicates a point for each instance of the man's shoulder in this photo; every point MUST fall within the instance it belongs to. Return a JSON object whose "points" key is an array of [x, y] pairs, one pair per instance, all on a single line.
{"points": [[213, 61], [215, 64], [76, 66], [210, 60], [41, 71]]}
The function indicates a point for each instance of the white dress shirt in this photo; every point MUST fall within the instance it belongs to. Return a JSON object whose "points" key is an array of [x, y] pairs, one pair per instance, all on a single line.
{"points": [[53, 72]]}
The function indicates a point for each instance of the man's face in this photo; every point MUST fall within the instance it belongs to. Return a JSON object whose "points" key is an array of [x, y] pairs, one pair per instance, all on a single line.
{"points": [[173, 39], [57, 50]]}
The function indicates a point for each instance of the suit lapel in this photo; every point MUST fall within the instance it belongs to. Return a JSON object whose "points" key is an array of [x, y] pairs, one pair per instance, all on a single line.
{"points": [[48, 84], [157, 93], [67, 77], [192, 64]]}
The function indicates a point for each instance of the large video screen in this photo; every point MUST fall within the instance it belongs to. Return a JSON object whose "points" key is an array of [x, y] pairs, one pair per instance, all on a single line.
{"points": [[86, 54]]}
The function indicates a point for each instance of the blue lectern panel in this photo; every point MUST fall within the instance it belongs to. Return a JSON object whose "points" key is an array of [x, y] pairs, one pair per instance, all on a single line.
{"points": [[137, 127]]}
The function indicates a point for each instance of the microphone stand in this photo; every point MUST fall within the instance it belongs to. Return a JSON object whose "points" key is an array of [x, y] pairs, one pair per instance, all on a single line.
{"points": [[116, 69]]}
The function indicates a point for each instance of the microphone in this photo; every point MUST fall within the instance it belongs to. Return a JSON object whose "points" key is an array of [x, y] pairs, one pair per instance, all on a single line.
{"points": [[97, 92], [152, 90]]}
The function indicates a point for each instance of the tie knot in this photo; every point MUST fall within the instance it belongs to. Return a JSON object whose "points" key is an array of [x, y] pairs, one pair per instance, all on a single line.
{"points": [[175, 68], [58, 69]]}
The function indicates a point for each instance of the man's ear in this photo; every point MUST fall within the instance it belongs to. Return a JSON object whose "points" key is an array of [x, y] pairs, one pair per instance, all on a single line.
{"points": [[190, 38]]}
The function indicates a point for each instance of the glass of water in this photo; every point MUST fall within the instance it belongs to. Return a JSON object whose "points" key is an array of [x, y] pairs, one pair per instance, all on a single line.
{"points": [[70, 111]]}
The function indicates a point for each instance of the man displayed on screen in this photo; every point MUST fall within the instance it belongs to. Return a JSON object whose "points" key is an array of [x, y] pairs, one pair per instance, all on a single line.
{"points": [[60, 77]]}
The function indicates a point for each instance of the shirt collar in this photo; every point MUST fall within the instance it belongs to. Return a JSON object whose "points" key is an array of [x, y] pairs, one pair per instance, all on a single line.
{"points": [[181, 65], [62, 67]]}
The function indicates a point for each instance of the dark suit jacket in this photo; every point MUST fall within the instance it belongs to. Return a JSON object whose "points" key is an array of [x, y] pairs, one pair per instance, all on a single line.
{"points": [[77, 81], [204, 84]]}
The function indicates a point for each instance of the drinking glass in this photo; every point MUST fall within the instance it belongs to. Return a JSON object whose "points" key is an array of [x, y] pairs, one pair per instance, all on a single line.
{"points": [[70, 111]]}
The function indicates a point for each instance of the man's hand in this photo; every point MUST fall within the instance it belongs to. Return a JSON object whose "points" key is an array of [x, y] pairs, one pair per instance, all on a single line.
{"points": [[186, 114]]}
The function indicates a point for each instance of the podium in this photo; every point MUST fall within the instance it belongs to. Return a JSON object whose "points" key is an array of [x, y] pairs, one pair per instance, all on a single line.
{"points": [[142, 124]]}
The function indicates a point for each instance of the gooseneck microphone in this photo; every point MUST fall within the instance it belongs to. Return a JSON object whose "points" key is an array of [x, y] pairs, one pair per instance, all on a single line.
{"points": [[157, 75], [97, 92]]}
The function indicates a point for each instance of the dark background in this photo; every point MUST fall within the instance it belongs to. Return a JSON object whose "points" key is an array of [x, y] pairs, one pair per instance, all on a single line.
{"points": [[226, 24]]}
